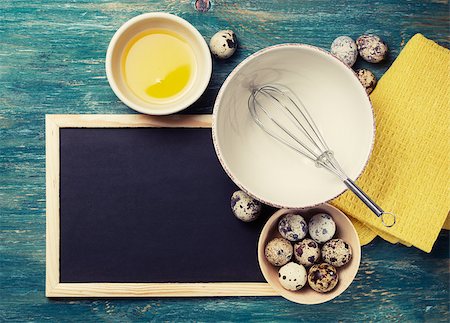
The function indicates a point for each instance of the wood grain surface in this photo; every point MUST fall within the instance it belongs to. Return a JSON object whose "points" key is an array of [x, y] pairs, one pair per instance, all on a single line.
{"points": [[52, 61]]}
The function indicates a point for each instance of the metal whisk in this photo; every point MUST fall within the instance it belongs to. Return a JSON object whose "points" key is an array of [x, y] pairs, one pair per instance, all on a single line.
{"points": [[282, 115]]}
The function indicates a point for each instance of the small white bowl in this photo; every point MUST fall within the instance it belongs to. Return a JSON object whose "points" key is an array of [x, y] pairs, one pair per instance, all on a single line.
{"points": [[344, 230], [336, 100], [158, 20]]}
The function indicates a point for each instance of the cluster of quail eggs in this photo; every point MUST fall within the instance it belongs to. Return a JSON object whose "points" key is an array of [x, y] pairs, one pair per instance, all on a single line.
{"points": [[370, 47], [307, 253]]}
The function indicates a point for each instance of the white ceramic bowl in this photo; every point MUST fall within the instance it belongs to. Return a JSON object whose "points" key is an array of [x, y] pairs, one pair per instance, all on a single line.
{"points": [[159, 20], [265, 168]]}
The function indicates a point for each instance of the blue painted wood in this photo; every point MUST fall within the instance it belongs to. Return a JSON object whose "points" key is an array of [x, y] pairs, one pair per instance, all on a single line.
{"points": [[52, 61]]}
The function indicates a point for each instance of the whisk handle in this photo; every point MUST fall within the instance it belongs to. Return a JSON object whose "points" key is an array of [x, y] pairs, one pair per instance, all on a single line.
{"points": [[369, 202]]}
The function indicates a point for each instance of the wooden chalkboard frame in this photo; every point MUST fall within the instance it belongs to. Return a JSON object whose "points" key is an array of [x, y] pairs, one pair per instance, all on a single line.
{"points": [[53, 286]]}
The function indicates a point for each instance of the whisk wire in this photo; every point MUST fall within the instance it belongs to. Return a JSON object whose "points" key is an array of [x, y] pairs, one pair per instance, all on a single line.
{"points": [[291, 116], [255, 116], [304, 113], [314, 146], [322, 157], [306, 125], [309, 152], [307, 117]]}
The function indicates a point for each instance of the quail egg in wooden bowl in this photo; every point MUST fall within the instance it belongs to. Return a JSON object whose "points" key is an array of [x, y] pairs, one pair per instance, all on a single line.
{"points": [[311, 255]]}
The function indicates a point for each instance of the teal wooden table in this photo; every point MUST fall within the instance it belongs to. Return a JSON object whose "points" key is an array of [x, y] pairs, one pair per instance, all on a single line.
{"points": [[52, 57]]}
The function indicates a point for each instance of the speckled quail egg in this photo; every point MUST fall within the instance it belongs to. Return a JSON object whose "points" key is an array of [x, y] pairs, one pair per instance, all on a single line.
{"points": [[245, 207], [202, 5], [293, 227], [345, 49], [322, 278], [278, 251], [371, 48], [223, 44], [292, 276], [322, 227], [337, 252], [307, 252], [367, 79]]}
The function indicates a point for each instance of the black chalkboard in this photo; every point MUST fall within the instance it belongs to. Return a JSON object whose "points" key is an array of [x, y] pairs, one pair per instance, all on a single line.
{"points": [[149, 205]]}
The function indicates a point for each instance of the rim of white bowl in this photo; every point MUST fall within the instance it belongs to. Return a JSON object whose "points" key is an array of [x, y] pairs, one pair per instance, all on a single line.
{"points": [[176, 19], [216, 109]]}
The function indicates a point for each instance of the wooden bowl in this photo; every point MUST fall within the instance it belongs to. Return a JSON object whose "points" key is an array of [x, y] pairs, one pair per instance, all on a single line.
{"points": [[344, 230]]}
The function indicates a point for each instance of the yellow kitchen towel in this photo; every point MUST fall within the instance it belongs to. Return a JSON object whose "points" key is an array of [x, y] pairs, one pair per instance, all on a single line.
{"points": [[408, 172], [365, 234], [446, 225]]}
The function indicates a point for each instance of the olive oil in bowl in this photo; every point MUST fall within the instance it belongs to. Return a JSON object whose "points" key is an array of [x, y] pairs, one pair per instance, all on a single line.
{"points": [[158, 65]]}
